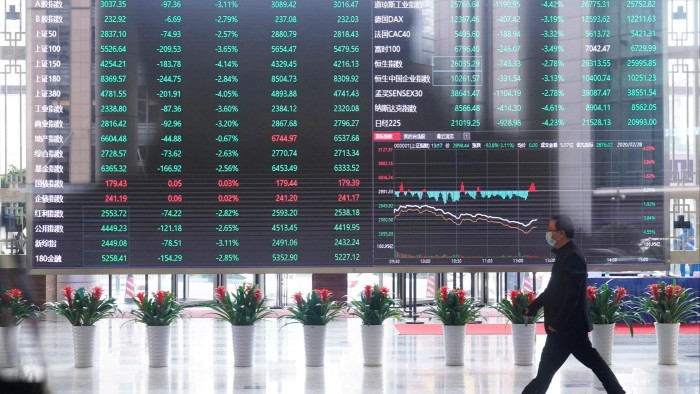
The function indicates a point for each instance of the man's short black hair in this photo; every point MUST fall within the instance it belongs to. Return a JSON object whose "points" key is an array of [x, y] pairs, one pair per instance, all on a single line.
{"points": [[565, 224]]}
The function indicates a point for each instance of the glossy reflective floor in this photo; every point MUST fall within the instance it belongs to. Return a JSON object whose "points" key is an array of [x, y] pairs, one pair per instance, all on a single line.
{"points": [[202, 358]]}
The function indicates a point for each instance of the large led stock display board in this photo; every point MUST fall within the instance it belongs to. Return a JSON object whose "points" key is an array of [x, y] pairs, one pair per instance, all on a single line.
{"points": [[347, 135]]}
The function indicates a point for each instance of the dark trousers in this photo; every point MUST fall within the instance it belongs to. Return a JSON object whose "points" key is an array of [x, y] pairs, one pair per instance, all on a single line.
{"points": [[557, 349]]}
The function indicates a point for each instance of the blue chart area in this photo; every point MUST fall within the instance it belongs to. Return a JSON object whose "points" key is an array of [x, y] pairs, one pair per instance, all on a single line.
{"points": [[446, 196]]}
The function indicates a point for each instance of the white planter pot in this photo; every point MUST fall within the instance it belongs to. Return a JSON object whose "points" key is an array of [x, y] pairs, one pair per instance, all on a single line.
{"points": [[523, 343], [667, 342], [602, 340], [243, 345], [9, 345], [84, 345], [314, 345], [372, 342], [158, 346], [453, 337]]}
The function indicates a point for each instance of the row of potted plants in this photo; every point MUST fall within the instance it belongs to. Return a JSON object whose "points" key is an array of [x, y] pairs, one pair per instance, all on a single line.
{"points": [[668, 305], [246, 305]]}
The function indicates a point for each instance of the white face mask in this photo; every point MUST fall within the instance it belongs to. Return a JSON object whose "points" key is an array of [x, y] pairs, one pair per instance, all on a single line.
{"points": [[548, 236]]}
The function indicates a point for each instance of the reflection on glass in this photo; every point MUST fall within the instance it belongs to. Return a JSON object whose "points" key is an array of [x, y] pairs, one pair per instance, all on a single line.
{"points": [[200, 286]]}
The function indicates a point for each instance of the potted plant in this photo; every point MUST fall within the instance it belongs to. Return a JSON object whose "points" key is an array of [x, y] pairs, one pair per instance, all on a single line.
{"points": [[607, 307], [14, 309], [454, 309], [83, 309], [314, 311], [513, 308], [241, 309], [669, 306], [373, 307], [157, 313]]}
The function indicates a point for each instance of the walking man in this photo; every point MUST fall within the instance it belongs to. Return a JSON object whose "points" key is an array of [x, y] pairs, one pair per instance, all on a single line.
{"points": [[566, 313]]}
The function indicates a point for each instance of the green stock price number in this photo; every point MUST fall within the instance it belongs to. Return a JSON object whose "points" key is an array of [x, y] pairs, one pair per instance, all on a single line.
{"points": [[285, 257]]}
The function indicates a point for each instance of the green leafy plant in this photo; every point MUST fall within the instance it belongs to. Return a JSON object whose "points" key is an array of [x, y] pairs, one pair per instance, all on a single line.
{"points": [[11, 171], [608, 307], [82, 307], [374, 306], [454, 308], [316, 309], [159, 310], [14, 308], [513, 307], [243, 307], [668, 303]]}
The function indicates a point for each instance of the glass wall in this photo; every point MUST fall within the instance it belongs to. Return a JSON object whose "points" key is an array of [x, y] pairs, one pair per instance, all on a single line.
{"points": [[194, 288], [682, 140]]}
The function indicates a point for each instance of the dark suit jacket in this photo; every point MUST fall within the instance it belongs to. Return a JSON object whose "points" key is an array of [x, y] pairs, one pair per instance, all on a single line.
{"points": [[564, 300]]}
